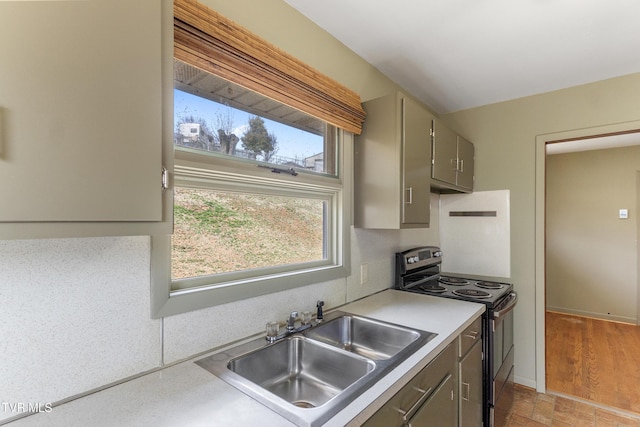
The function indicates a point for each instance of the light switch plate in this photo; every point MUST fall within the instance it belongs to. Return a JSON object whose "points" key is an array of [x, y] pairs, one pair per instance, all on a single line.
{"points": [[623, 214], [364, 274]]}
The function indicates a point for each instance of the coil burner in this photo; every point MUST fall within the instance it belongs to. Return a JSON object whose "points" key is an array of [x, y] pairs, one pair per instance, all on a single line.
{"points": [[455, 281], [432, 287], [476, 293], [489, 285]]}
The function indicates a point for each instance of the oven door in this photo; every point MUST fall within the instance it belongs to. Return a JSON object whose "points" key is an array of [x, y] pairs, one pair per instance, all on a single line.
{"points": [[503, 353]]}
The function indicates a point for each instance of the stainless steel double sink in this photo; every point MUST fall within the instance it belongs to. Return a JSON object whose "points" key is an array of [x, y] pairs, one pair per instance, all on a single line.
{"points": [[310, 376]]}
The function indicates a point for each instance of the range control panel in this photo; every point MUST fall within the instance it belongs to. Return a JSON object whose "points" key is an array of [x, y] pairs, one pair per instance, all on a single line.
{"points": [[422, 255], [419, 257]]}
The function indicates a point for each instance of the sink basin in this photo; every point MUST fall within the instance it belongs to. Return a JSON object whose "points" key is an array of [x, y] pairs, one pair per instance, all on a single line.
{"points": [[303, 372], [366, 337], [310, 376]]}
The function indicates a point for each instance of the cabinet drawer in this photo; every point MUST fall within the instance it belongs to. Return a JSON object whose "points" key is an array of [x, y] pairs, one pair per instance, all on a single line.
{"points": [[470, 336], [405, 403], [440, 409]]}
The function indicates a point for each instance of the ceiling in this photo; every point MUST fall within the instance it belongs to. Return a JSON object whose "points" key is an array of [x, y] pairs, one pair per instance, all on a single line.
{"points": [[459, 54]]}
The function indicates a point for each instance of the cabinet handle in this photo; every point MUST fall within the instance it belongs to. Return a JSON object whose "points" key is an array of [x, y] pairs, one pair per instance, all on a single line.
{"points": [[454, 164], [465, 395], [410, 190], [409, 413], [472, 334], [461, 165], [433, 148], [165, 178]]}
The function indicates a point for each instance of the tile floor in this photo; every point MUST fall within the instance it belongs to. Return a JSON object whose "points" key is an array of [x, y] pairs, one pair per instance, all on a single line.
{"points": [[531, 409]]}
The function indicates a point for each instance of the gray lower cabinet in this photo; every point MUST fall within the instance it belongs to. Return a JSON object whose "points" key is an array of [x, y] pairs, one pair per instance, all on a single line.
{"points": [[429, 399], [470, 375], [436, 411], [445, 393], [470, 387]]}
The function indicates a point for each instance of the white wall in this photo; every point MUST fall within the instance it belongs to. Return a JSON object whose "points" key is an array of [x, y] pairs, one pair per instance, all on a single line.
{"points": [[76, 312], [591, 254]]}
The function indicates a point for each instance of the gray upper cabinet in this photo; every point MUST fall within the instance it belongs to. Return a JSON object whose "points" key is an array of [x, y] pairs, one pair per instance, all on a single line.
{"points": [[445, 153], [393, 165], [453, 160], [466, 157], [82, 98]]}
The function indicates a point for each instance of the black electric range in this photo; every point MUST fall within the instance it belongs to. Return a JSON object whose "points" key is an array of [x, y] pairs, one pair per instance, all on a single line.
{"points": [[418, 270]]}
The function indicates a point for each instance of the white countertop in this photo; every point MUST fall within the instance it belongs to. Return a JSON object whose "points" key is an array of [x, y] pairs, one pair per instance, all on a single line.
{"points": [[186, 395]]}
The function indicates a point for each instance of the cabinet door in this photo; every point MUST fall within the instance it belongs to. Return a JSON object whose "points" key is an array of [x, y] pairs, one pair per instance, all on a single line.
{"points": [[466, 159], [471, 388], [471, 336], [416, 163], [440, 410], [81, 111], [445, 155], [421, 388]]}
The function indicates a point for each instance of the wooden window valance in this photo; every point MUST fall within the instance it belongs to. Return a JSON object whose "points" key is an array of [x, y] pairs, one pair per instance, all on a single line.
{"points": [[213, 43]]}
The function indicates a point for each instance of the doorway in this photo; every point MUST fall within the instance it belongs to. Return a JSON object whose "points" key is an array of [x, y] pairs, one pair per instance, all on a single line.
{"points": [[583, 305]]}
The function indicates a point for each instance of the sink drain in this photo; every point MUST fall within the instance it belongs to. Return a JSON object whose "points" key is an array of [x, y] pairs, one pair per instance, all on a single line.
{"points": [[303, 404]]}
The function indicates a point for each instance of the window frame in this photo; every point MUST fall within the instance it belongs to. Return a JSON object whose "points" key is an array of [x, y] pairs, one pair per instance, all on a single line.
{"points": [[213, 43], [204, 171]]}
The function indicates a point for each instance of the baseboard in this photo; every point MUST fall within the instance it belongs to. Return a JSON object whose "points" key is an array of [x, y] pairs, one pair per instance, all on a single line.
{"points": [[618, 411], [527, 382], [601, 316]]}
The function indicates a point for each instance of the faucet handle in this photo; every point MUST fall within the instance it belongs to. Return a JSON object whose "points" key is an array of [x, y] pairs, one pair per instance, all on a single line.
{"points": [[292, 320]]}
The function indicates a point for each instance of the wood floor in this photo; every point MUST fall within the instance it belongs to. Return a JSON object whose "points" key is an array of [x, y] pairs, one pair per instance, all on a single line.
{"points": [[594, 360], [531, 409]]}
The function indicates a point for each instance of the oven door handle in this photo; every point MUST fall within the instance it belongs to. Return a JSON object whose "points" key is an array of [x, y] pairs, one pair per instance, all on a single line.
{"points": [[507, 306], [433, 276]]}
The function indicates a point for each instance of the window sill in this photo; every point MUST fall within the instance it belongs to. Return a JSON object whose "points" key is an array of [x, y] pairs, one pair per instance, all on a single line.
{"points": [[184, 300]]}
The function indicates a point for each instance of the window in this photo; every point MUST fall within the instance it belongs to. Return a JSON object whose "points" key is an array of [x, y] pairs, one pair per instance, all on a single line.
{"points": [[225, 232], [260, 194], [249, 222], [218, 117]]}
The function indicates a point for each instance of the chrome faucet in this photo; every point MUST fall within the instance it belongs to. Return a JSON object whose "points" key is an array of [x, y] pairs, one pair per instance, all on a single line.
{"points": [[292, 320], [290, 328]]}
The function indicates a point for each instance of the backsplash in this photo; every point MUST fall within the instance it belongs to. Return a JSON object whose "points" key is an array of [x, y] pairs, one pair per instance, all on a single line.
{"points": [[201, 330], [75, 317], [77, 311]]}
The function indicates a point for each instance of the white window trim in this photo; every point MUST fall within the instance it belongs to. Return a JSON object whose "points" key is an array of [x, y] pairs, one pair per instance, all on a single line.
{"points": [[165, 302]]}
